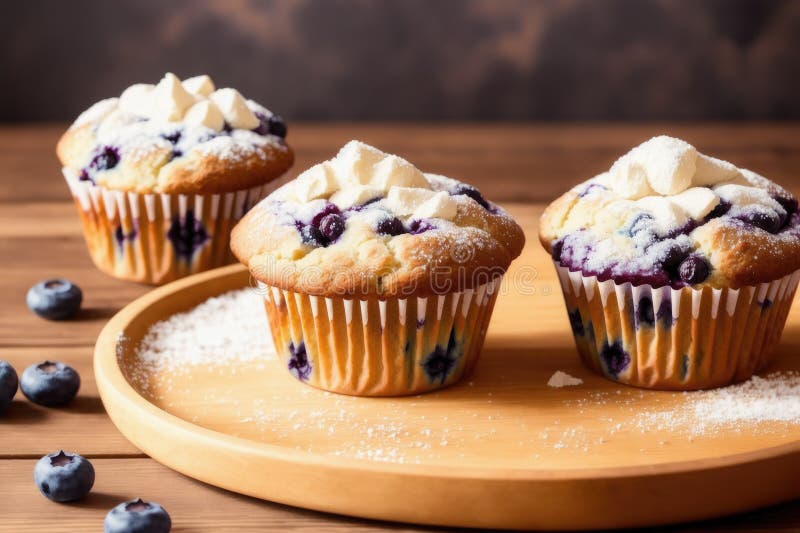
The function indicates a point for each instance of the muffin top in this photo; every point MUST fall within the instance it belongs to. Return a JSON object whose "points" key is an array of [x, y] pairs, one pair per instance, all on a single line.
{"points": [[176, 137], [367, 223], [665, 214]]}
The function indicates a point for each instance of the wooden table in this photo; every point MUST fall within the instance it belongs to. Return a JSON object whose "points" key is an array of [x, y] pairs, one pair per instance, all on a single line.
{"points": [[517, 165]]}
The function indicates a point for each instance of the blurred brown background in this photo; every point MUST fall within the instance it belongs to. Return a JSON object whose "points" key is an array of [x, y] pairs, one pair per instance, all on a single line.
{"points": [[416, 59]]}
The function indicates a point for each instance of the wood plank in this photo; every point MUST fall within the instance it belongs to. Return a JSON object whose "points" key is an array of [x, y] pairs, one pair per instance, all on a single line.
{"points": [[39, 241], [200, 508], [193, 506], [522, 162], [28, 430], [30, 258]]}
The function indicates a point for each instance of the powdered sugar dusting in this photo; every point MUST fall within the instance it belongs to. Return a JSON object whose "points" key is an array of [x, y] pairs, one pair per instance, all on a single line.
{"points": [[771, 398], [227, 329]]}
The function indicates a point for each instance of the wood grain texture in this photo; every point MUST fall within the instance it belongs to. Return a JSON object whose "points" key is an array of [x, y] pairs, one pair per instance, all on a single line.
{"points": [[40, 237], [509, 162], [199, 508]]}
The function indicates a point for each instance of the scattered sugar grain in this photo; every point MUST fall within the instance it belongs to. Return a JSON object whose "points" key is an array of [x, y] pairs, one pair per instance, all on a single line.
{"points": [[228, 328]]}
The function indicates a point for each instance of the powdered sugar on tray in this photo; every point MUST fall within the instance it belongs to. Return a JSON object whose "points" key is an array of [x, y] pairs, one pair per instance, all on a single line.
{"points": [[228, 328], [772, 398]]}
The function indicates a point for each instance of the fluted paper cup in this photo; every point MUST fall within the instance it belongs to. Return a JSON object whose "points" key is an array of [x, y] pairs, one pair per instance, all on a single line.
{"points": [[675, 339], [156, 238], [374, 347]]}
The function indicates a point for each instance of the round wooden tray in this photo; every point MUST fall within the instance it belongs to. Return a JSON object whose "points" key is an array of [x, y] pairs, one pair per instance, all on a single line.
{"points": [[503, 450]]}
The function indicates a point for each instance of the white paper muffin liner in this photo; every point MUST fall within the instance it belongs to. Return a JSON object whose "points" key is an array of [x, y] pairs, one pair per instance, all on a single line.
{"points": [[374, 347], [677, 339], [156, 238]]}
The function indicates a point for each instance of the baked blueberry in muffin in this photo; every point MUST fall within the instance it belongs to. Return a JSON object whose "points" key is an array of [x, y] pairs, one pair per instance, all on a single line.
{"points": [[383, 275], [669, 235], [161, 174]]}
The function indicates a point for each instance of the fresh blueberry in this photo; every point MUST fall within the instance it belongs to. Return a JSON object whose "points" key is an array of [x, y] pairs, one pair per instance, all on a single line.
{"points": [[721, 208], [64, 477], [137, 516], [312, 236], [693, 270], [558, 247], [329, 209], [331, 227], [105, 158], [673, 258], [277, 126], [50, 384], [789, 204], [420, 226], [271, 125], [684, 229], [472, 192], [769, 222], [390, 226], [84, 176], [172, 137], [8, 385], [55, 299], [641, 223]]}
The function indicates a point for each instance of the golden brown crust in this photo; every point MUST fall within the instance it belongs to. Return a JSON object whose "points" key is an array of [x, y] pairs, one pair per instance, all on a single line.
{"points": [[149, 163], [479, 246], [554, 217], [744, 255], [739, 254], [210, 174]]}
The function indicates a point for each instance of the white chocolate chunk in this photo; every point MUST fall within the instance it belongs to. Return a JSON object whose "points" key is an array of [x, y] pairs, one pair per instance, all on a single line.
{"points": [[403, 201], [113, 122], [355, 195], [710, 171], [667, 163], [199, 85], [355, 162], [697, 202], [96, 112], [666, 214], [316, 182], [441, 205], [393, 171], [138, 99], [171, 99], [206, 114], [629, 180], [234, 108]]}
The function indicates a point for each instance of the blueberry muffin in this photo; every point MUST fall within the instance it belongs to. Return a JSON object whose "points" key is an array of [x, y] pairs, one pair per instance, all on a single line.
{"points": [[378, 279], [161, 174], [678, 269]]}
